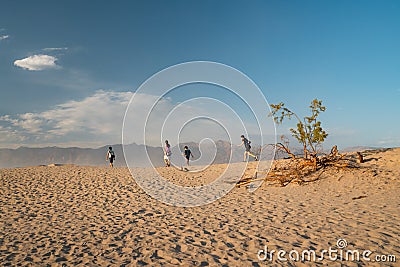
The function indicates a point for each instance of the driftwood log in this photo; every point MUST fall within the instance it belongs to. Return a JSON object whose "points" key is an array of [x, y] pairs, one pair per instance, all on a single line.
{"points": [[301, 170]]}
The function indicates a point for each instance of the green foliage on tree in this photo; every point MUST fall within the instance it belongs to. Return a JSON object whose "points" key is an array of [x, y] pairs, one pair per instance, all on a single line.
{"points": [[308, 132]]}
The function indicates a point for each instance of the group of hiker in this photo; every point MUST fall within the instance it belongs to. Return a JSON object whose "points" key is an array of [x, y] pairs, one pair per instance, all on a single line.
{"points": [[187, 154], [167, 154]]}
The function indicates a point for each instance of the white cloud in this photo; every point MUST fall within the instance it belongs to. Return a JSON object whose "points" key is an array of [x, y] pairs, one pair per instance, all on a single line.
{"points": [[93, 120], [9, 137], [55, 48], [37, 62], [3, 37], [97, 120]]}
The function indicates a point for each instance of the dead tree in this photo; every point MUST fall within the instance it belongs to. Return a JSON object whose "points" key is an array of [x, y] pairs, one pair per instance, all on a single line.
{"points": [[300, 170]]}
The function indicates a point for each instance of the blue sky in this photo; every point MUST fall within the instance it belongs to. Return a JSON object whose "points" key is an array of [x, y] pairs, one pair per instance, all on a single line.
{"points": [[67, 68]]}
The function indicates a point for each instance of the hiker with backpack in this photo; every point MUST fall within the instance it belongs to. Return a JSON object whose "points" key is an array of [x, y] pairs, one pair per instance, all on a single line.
{"points": [[187, 153], [167, 154], [247, 147], [110, 156]]}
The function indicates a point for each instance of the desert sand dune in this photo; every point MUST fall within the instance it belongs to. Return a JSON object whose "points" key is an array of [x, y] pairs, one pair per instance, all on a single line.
{"points": [[97, 216]]}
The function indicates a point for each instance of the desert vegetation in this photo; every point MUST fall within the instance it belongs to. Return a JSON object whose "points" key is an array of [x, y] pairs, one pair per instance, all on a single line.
{"points": [[314, 161]]}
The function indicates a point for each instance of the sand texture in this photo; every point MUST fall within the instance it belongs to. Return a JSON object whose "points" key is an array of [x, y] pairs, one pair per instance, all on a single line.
{"points": [[97, 216]]}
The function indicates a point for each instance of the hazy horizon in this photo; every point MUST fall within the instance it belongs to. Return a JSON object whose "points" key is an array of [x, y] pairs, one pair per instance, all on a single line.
{"points": [[295, 146]]}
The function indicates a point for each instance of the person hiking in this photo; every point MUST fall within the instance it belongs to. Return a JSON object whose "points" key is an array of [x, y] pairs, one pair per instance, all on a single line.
{"points": [[247, 147], [187, 153], [110, 156], [167, 154]]}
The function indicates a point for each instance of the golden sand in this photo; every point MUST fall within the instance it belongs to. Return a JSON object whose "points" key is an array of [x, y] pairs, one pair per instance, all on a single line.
{"points": [[96, 216]]}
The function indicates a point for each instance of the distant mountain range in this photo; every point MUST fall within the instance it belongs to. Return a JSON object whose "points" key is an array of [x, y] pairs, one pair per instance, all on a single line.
{"points": [[358, 148], [26, 156], [136, 154]]}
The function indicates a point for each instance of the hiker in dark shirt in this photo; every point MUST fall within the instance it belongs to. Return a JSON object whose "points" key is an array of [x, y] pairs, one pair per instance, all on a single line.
{"points": [[187, 153], [110, 156], [247, 147]]}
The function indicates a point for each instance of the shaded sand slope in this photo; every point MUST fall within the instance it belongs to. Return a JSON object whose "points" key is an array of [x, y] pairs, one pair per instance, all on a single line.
{"points": [[69, 215]]}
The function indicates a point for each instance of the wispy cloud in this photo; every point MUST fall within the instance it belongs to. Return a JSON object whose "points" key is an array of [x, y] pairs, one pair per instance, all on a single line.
{"points": [[55, 48], [98, 119], [3, 37], [8, 135], [37, 62]]}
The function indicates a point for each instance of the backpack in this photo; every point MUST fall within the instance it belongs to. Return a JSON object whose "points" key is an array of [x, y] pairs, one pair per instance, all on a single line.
{"points": [[247, 143]]}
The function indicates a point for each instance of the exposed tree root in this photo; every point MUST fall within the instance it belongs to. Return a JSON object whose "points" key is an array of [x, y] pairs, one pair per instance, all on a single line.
{"points": [[302, 170]]}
